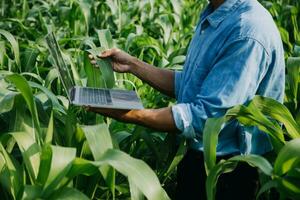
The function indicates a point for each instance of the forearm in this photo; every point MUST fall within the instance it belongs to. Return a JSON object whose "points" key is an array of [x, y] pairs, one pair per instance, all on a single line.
{"points": [[160, 79], [158, 119]]}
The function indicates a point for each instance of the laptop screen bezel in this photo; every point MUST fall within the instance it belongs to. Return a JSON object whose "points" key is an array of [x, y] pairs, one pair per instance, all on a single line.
{"points": [[63, 70]]}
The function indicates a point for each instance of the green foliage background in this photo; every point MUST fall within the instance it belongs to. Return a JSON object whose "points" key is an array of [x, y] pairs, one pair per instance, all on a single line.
{"points": [[51, 150]]}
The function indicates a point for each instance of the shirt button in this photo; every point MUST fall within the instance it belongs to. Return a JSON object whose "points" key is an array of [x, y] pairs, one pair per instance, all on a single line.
{"points": [[202, 32]]}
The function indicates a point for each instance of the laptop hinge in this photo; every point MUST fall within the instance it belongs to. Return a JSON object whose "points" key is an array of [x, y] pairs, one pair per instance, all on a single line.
{"points": [[72, 94]]}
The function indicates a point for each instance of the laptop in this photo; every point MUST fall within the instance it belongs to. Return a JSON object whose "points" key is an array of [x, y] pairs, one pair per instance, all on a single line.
{"points": [[88, 96]]}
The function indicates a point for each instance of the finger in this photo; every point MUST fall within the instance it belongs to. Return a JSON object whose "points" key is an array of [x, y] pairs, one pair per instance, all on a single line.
{"points": [[91, 56], [87, 108], [93, 62]]}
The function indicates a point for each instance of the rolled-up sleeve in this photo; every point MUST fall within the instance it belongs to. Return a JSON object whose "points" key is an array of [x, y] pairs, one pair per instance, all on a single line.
{"points": [[234, 79]]}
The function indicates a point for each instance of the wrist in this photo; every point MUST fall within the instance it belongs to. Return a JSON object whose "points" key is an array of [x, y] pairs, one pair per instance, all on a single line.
{"points": [[134, 64], [133, 116]]}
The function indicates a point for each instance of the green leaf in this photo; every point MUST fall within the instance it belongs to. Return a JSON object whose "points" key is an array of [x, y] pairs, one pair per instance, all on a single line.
{"points": [[51, 76], [105, 66], [85, 7], [7, 101], [285, 37], [28, 58], [105, 39], [213, 176], [30, 152], [68, 194], [14, 44], [279, 112], [99, 140], [32, 192], [32, 75], [136, 194], [93, 73], [62, 158], [289, 186], [287, 158], [56, 105], [293, 78], [178, 157], [211, 132], [229, 165], [67, 57], [11, 176], [252, 116], [45, 165], [138, 171], [266, 187], [49, 134], [255, 161], [23, 86]]}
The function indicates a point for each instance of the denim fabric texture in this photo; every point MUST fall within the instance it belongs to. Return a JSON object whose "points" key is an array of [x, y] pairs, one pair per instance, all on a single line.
{"points": [[236, 53]]}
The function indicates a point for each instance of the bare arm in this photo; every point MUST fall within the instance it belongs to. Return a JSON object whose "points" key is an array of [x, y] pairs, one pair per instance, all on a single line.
{"points": [[158, 119], [160, 79]]}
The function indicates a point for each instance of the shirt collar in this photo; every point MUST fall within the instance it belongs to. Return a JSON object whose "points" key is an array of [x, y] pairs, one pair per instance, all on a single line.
{"points": [[217, 16]]}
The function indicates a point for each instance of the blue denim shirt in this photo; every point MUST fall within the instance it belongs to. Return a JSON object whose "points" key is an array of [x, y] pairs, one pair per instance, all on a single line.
{"points": [[235, 54]]}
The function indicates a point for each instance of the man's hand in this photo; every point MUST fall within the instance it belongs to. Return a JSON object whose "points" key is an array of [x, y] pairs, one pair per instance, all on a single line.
{"points": [[160, 79], [122, 62], [118, 114]]}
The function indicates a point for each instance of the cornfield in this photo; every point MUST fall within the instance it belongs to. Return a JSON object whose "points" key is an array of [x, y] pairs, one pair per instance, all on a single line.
{"points": [[50, 149]]}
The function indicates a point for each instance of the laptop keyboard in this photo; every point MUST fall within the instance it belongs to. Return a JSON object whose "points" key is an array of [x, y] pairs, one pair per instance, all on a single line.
{"points": [[94, 96]]}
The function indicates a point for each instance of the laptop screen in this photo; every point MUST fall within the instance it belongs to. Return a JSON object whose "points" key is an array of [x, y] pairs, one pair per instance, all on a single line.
{"points": [[59, 62]]}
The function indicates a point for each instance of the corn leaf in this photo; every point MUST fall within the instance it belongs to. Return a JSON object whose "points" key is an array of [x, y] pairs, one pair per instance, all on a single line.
{"points": [[51, 76], [138, 171], [105, 66], [136, 194], [288, 157], [28, 59], [279, 112], [105, 39], [69, 194], [178, 157], [30, 152], [11, 176], [61, 162], [23, 86], [49, 134], [56, 105], [94, 77], [15, 45], [7, 101], [266, 187], [32, 192], [289, 186], [211, 132], [45, 165], [99, 140], [293, 78], [251, 116], [229, 166]]}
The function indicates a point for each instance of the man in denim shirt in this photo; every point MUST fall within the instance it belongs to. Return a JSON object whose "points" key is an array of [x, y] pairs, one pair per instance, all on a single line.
{"points": [[235, 54]]}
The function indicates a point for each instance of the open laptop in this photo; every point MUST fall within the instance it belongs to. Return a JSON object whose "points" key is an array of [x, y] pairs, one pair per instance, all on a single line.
{"points": [[87, 96]]}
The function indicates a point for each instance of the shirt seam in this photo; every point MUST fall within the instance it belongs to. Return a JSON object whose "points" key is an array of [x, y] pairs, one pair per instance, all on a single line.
{"points": [[241, 38]]}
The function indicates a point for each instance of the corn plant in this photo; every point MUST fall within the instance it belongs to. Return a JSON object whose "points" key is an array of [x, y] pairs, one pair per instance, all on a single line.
{"points": [[50, 149], [47, 171], [283, 176]]}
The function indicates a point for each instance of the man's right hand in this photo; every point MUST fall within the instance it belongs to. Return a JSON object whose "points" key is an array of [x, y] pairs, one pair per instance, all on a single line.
{"points": [[121, 62], [161, 79]]}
